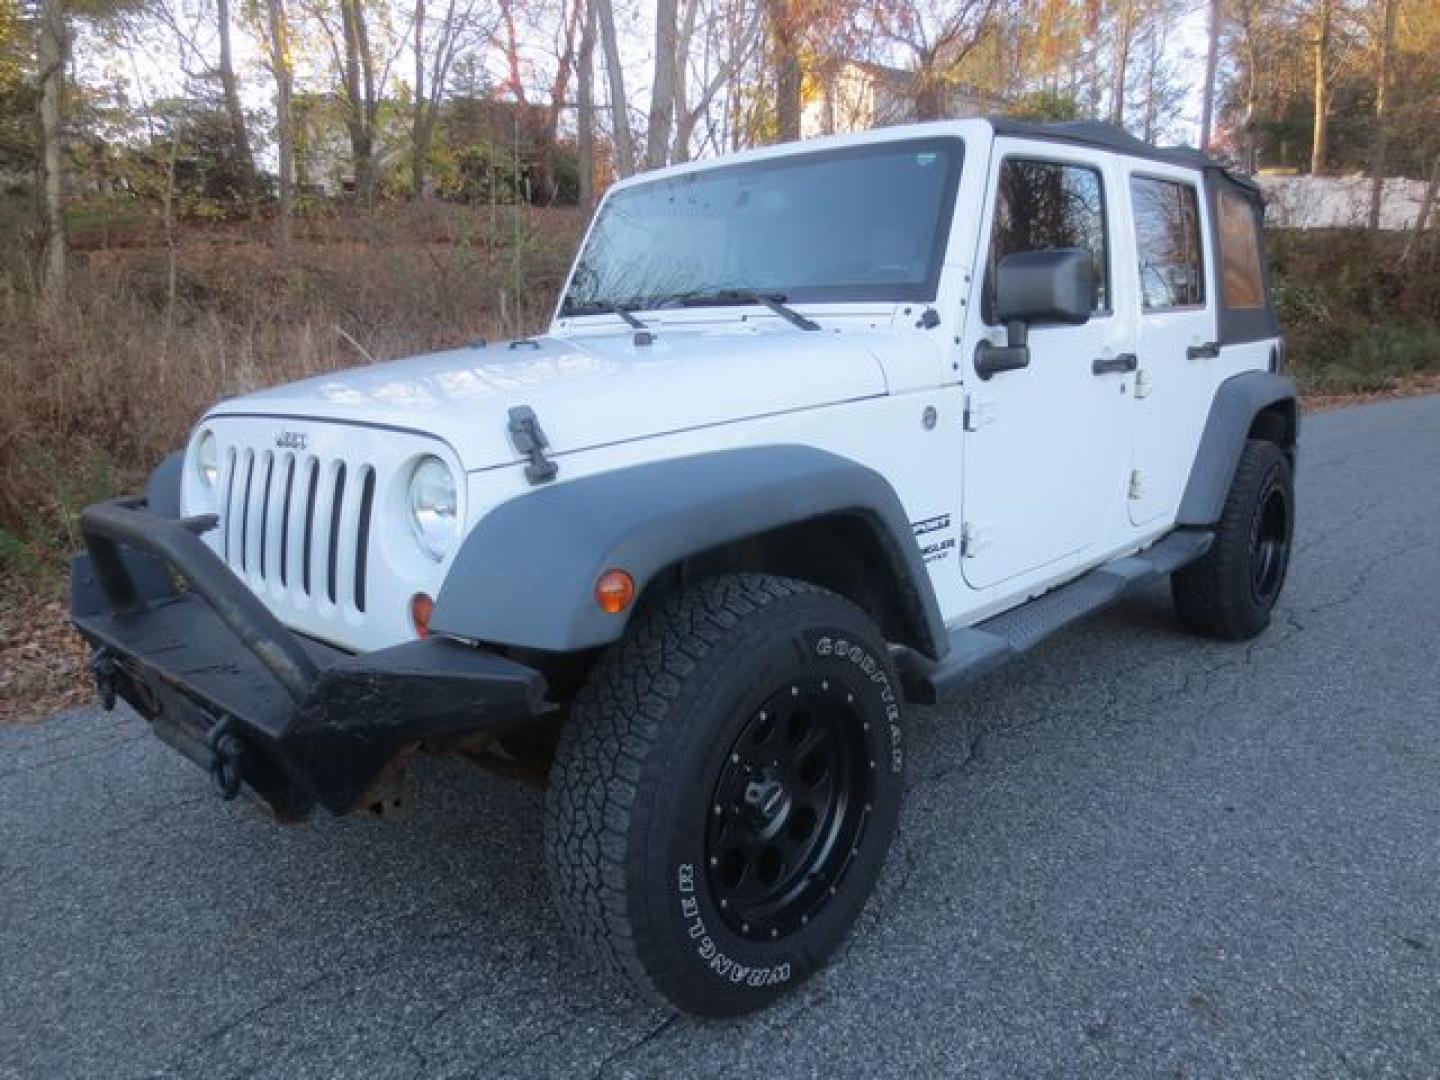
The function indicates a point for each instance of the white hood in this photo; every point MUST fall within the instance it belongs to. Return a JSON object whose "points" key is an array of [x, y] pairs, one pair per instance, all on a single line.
{"points": [[586, 391]]}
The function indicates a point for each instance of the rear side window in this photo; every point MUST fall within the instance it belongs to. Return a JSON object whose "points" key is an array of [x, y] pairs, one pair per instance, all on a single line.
{"points": [[1167, 243], [1240, 276], [1044, 206]]}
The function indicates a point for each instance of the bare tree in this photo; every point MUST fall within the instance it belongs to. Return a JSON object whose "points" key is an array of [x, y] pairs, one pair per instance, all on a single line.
{"points": [[1384, 62], [615, 73], [277, 48], [419, 135], [938, 35], [435, 49], [1426, 211], [1120, 67], [522, 26], [1247, 23], [188, 23], [729, 36], [53, 48], [1158, 87], [362, 104], [1212, 58], [363, 61], [234, 111], [585, 122], [783, 35], [514, 80], [1320, 141], [568, 29], [662, 86]]}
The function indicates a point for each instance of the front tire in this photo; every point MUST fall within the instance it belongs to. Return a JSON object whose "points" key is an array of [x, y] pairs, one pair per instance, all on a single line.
{"points": [[725, 792], [1230, 592]]}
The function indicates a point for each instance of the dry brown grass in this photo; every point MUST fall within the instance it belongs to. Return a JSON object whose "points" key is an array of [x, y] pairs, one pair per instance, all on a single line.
{"points": [[91, 400]]}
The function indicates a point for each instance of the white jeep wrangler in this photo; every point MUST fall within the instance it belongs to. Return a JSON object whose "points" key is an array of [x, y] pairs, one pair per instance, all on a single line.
{"points": [[816, 431]]}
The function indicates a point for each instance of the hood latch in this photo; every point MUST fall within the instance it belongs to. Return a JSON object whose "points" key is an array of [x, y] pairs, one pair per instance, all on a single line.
{"points": [[529, 439]]}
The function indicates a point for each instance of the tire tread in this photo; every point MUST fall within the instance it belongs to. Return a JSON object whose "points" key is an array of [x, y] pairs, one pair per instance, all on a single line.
{"points": [[616, 720], [1212, 594]]}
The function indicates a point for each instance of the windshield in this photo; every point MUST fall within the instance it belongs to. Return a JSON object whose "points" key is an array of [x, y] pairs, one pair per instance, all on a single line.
{"points": [[862, 223]]}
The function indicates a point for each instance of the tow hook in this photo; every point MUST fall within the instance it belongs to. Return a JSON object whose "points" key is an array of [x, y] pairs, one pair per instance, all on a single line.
{"points": [[102, 667], [229, 755]]}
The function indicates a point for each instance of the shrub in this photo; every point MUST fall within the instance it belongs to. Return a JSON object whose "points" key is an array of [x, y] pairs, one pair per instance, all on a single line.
{"points": [[1360, 310]]}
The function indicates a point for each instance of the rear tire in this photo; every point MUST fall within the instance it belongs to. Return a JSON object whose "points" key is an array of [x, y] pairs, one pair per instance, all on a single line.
{"points": [[725, 792], [1231, 591]]}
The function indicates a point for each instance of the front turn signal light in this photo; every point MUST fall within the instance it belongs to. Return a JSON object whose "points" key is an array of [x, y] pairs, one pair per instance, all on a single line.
{"points": [[615, 591]]}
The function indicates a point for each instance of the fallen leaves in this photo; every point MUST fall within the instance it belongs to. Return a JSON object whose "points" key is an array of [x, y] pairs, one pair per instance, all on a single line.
{"points": [[1410, 386], [43, 661]]}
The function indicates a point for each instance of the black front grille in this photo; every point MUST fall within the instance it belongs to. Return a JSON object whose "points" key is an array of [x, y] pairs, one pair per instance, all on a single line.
{"points": [[293, 518]]}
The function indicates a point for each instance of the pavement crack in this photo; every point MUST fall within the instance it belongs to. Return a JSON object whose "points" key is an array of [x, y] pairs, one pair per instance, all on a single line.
{"points": [[636, 1045]]}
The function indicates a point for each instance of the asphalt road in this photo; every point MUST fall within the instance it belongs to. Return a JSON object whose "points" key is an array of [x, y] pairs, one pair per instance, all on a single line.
{"points": [[1132, 853]]}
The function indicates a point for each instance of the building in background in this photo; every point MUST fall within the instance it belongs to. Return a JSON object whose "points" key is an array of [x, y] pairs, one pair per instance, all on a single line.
{"points": [[854, 95]]}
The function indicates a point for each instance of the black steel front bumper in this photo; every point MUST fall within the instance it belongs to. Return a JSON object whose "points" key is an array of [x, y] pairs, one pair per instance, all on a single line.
{"points": [[282, 718]]}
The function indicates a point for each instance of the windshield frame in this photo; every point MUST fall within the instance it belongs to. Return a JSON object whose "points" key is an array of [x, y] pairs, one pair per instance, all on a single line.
{"points": [[950, 146]]}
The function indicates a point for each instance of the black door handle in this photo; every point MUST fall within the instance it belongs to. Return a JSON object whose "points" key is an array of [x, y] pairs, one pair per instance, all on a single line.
{"points": [[1209, 351], [1111, 365]]}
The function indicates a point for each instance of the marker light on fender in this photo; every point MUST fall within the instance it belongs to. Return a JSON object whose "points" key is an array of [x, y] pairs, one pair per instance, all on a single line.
{"points": [[615, 591], [421, 607]]}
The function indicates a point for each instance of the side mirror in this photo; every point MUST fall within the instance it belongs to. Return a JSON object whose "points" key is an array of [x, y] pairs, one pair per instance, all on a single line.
{"points": [[1031, 287], [1045, 287]]}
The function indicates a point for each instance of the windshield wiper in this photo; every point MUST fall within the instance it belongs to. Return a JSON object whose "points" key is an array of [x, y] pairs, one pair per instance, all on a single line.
{"points": [[605, 307], [775, 302]]}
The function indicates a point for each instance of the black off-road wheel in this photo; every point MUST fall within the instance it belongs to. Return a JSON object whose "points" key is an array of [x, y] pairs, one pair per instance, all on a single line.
{"points": [[1231, 591], [725, 792]]}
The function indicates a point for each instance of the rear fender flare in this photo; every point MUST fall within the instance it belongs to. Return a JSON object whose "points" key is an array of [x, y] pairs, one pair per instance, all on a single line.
{"points": [[1238, 401]]}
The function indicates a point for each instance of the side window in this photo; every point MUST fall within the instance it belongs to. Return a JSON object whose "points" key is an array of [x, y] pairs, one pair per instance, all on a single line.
{"points": [[1044, 205], [1240, 277], [1167, 242]]}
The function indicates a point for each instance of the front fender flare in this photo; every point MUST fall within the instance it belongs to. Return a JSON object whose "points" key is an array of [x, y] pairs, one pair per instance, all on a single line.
{"points": [[525, 575]]}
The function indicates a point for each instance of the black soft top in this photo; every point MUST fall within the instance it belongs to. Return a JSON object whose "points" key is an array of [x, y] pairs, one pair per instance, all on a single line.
{"points": [[1235, 324], [1103, 136]]}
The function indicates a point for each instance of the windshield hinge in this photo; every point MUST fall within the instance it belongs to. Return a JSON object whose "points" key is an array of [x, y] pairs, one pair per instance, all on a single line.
{"points": [[529, 439], [978, 413]]}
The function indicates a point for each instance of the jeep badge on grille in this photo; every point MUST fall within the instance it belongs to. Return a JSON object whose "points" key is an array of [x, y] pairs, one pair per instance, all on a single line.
{"points": [[290, 440]]}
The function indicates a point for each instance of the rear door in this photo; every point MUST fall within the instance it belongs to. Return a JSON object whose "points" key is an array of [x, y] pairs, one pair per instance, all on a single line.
{"points": [[1047, 446], [1176, 345]]}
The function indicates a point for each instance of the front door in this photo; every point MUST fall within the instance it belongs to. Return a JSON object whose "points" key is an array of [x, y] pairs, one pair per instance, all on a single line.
{"points": [[1048, 445]]}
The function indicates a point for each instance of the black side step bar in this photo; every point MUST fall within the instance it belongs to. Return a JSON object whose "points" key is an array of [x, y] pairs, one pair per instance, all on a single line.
{"points": [[979, 649]]}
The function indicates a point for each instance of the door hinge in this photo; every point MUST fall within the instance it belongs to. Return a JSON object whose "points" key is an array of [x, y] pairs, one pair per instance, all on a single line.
{"points": [[529, 439], [1142, 383], [978, 413], [1137, 486], [974, 539]]}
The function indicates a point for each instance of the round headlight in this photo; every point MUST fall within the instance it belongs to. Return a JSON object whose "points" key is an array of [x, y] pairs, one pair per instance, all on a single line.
{"points": [[207, 459], [434, 507]]}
